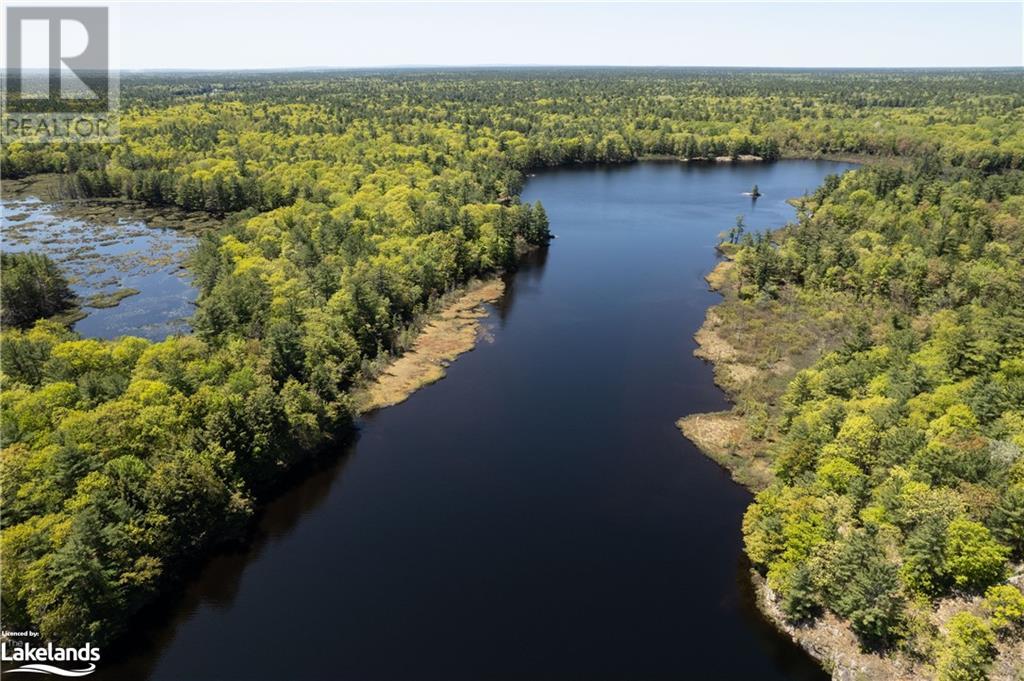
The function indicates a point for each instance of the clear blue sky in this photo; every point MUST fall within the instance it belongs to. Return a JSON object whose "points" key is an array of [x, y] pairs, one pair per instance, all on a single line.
{"points": [[290, 35]]}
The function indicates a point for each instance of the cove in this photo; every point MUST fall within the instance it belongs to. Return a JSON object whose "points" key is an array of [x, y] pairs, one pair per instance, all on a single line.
{"points": [[536, 514]]}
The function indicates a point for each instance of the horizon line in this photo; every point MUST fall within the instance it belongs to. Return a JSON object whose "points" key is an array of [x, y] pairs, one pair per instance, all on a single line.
{"points": [[266, 69]]}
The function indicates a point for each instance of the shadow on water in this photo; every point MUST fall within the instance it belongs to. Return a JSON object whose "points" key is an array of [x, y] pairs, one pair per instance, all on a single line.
{"points": [[214, 581], [527, 275], [774, 643]]}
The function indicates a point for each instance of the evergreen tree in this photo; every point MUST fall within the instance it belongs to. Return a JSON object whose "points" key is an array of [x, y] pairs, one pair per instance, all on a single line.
{"points": [[31, 287]]}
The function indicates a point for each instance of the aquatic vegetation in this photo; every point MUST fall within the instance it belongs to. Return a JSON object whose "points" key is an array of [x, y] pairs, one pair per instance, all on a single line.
{"points": [[104, 259]]}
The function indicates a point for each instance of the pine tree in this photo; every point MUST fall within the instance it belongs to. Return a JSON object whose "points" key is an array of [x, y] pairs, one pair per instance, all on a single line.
{"points": [[800, 602], [539, 227]]}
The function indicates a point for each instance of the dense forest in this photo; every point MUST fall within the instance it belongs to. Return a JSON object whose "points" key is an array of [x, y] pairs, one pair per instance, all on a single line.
{"points": [[899, 476], [355, 199]]}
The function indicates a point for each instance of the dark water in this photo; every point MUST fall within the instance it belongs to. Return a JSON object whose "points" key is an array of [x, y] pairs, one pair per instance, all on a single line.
{"points": [[100, 258], [535, 515]]}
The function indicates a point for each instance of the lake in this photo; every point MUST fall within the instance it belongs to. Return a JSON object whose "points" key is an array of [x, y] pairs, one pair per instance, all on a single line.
{"points": [[535, 515]]}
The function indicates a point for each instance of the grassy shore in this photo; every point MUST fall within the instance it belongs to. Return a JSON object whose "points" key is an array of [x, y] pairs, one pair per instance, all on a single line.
{"points": [[443, 334], [756, 346]]}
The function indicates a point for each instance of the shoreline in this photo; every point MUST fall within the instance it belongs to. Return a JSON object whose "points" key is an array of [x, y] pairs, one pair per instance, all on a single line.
{"points": [[75, 228], [741, 158], [445, 330], [46, 188], [448, 327], [727, 438], [445, 334]]}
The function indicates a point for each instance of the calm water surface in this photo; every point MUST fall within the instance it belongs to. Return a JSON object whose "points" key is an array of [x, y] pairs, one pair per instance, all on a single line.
{"points": [[103, 258], [535, 515]]}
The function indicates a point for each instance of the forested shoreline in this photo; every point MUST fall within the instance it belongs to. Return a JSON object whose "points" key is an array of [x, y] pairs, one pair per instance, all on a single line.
{"points": [[896, 494], [356, 199]]}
